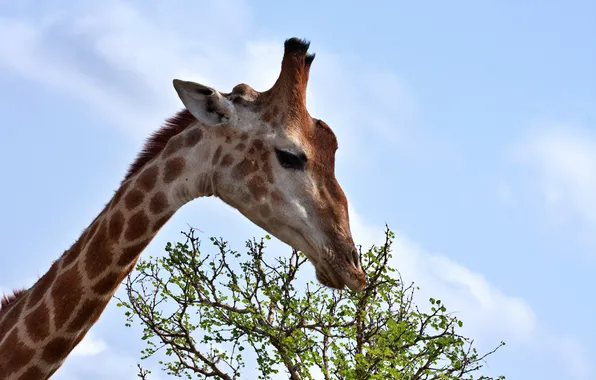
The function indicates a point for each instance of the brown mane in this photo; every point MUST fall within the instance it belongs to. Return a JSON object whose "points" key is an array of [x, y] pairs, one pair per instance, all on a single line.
{"points": [[8, 300], [158, 140]]}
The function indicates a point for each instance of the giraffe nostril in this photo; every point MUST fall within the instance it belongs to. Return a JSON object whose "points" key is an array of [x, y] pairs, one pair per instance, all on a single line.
{"points": [[355, 258]]}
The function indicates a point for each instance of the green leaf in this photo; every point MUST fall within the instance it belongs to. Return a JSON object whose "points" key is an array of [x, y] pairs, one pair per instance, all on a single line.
{"points": [[198, 306]]}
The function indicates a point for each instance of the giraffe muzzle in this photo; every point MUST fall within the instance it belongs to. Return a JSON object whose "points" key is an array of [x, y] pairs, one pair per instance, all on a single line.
{"points": [[342, 271]]}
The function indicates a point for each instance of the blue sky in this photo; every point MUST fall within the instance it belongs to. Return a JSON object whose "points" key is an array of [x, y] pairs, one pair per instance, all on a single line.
{"points": [[468, 127]]}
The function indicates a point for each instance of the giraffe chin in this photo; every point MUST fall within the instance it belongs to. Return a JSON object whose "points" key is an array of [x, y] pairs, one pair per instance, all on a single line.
{"points": [[329, 277], [325, 281]]}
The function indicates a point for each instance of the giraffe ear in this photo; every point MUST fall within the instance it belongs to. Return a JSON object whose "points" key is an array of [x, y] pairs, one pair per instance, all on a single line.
{"points": [[204, 103]]}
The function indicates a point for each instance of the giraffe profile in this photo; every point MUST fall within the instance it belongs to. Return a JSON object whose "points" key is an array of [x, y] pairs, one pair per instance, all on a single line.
{"points": [[260, 152]]}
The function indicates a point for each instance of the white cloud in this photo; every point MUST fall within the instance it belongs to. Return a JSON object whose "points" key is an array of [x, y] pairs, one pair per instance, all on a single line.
{"points": [[120, 59], [560, 166], [89, 346], [23, 50]]}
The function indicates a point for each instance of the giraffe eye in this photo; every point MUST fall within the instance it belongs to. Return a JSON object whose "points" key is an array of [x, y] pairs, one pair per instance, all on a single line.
{"points": [[290, 160]]}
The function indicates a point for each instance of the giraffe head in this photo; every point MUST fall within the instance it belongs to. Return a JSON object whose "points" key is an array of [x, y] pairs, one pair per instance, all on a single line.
{"points": [[275, 163]]}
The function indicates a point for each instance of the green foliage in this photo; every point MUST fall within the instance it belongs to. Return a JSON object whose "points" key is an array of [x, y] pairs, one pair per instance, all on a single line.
{"points": [[204, 311]]}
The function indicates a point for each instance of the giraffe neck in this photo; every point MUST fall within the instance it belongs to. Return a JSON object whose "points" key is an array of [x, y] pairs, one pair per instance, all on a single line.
{"points": [[41, 327]]}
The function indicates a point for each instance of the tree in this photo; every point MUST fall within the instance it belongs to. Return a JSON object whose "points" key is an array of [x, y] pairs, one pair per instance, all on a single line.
{"points": [[206, 311]]}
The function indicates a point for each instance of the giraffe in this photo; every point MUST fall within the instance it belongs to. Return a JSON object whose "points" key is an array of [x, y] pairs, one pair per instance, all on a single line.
{"points": [[260, 152]]}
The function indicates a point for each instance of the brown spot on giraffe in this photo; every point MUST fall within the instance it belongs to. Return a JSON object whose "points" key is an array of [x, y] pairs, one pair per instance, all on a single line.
{"points": [[56, 349], [42, 285], [245, 197], [11, 315], [274, 220], [148, 178], [116, 225], [244, 168], [267, 170], [159, 203], [258, 144], [133, 198], [101, 257], [173, 146], [270, 114], [193, 137], [276, 196], [85, 314], [216, 155], [119, 193], [173, 169], [73, 252], [15, 354], [265, 210], [37, 323], [227, 160], [137, 226], [67, 292], [130, 253], [32, 373], [107, 284], [240, 147], [257, 188]]}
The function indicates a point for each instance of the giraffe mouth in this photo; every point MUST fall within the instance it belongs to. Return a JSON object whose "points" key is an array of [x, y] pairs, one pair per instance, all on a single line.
{"points": [[325, 272], [328, 276], [330, 279]]}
